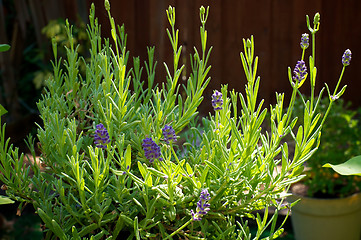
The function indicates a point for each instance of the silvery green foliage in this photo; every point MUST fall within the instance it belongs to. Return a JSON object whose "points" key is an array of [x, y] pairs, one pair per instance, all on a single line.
{"points": [[204, 188]]}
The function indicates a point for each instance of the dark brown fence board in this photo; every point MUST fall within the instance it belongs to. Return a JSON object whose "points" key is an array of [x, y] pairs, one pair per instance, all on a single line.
{"points": [[277, 26]]}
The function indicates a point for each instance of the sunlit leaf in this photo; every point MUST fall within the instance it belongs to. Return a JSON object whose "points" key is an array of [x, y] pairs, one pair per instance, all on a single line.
{"points": [[5, 200], [4, 47], [2, 110], [350, 167]]}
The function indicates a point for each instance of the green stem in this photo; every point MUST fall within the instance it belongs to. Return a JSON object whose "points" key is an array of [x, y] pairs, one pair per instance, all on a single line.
{"points": [[303, 54], [217, 119], [314, 46], [339, 81], [289, 111], [170, 178], [312, 71], [331, 97], [174, 153], [179, 229]]}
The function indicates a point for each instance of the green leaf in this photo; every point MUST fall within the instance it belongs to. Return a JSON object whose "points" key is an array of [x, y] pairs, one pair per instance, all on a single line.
{"points": [[156, 173], [350, 167], [118, 227], [128, 156], [4, 47], [88, 229], [58, 230], [340, 93], [142, 170], [161, 192], [128, 221], [140, 205], [171, 213], [297, 171], [148, 180], [46, 219], [75, 233], [52, 224], [5, 200], [2, 110], [299, 136], [189, 169], [136, 228], [150, 210], [214, 167]]}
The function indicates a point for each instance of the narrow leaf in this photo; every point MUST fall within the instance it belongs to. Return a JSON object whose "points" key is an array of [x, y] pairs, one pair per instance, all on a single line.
{"points": [[128, 156], [2, 110], [5, 200]]}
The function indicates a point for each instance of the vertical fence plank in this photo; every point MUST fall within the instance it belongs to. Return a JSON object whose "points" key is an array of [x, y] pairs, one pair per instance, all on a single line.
{"points": [[257, 17], [281, 45], [341, 30]]}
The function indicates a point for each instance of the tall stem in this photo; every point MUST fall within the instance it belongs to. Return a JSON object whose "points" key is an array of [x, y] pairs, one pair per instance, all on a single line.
{"points": [[312, 72], [179, 229], [332, 99]]}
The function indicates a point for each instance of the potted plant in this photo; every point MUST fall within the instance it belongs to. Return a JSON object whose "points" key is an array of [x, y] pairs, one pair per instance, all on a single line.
{"points": [[112, 165], [326, 196], [330, 204], [351, 167], [340, 140]]}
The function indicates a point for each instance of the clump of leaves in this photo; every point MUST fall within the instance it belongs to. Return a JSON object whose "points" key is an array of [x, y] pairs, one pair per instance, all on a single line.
{"points": [[341, 140]]}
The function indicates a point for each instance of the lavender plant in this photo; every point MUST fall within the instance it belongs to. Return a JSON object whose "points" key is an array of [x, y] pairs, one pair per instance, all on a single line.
{"points": [[111, 166]]}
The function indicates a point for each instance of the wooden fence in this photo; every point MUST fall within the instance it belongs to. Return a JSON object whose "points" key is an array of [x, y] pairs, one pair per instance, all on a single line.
{"points": [[276, 25]]}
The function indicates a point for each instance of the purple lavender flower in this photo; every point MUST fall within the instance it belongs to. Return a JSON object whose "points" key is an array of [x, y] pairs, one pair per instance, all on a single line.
{"points": [[101, 136], [151, 150], [304, 41], [217, 101], [300, 71], [169, 134], [202, 206], [346, 57]]}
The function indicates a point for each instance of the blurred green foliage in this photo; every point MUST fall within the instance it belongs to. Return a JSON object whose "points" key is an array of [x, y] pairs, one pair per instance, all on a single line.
{"points": [[340, 141]]}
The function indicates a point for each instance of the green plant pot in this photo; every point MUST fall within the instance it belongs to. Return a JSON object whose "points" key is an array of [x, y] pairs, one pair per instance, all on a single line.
{"points": [[331, 219]]}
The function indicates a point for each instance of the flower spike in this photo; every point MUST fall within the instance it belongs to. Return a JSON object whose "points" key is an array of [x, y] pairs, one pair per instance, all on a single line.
{"points": [[202, 206], [346, 57], [217, 101], [300, 72], [151, 150], [169, 134], [101, 136], [304, 41]]}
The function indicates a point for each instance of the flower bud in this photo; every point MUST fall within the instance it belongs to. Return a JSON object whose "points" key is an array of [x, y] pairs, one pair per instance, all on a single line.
{"points": [[202, 206], [304, 41], [202, 10], [217, 101], [249, 43], [316, 19], [151, 150], [346, 57], [101, 136], [300, 71], [107, 5], [169, 134]]}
